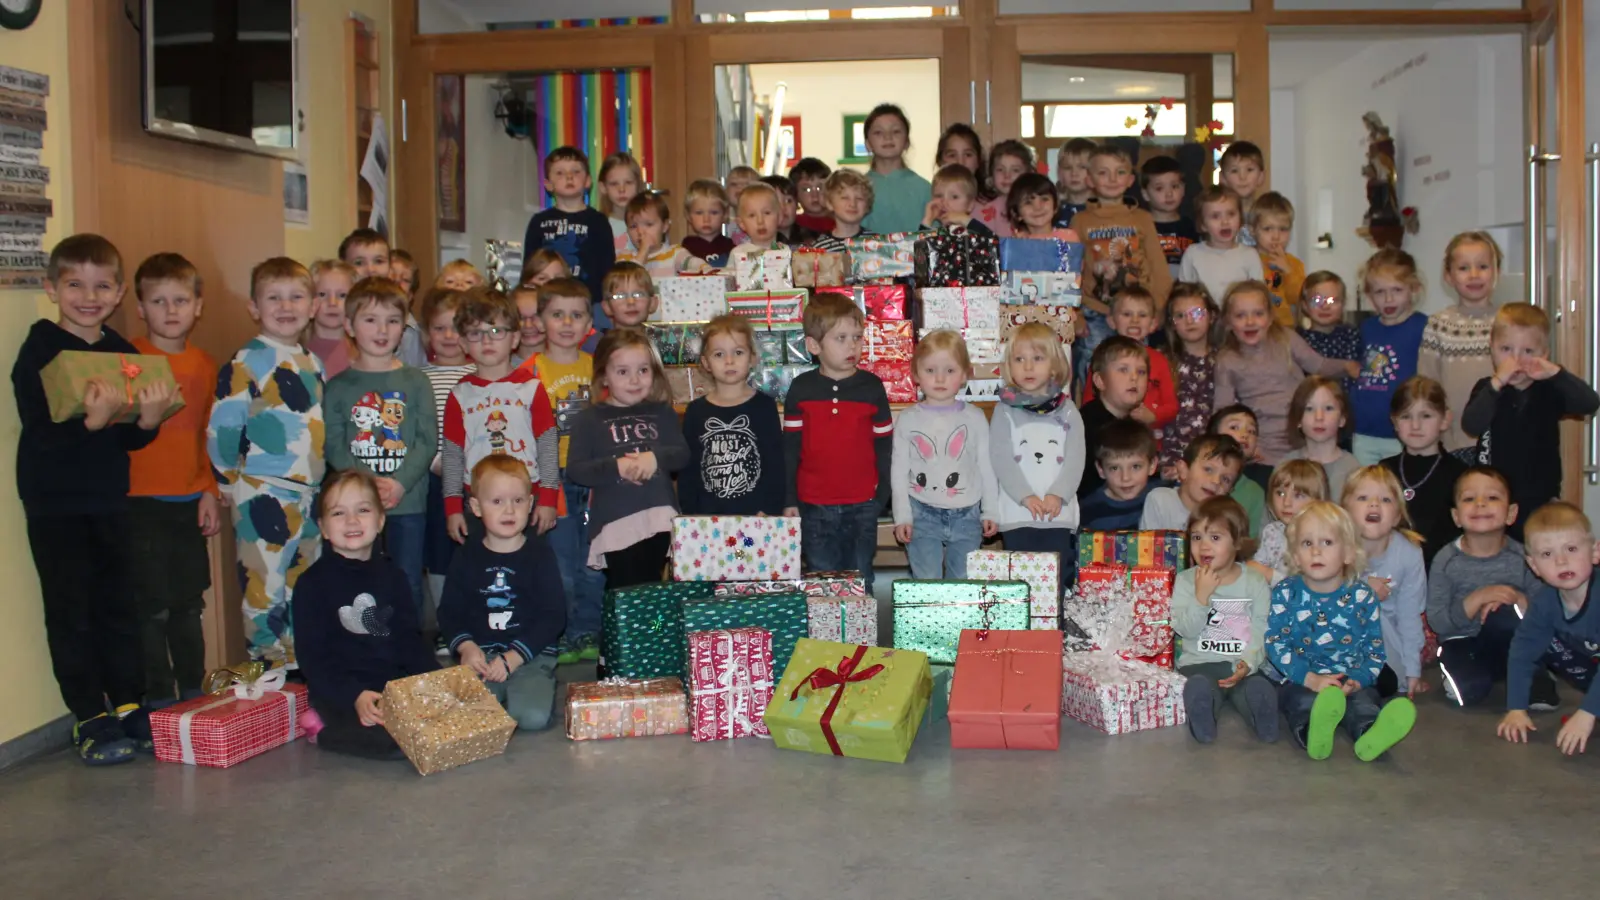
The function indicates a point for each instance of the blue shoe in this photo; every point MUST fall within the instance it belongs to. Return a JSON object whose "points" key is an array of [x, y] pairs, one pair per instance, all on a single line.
{"points": [[100, 742], [136, 726]]}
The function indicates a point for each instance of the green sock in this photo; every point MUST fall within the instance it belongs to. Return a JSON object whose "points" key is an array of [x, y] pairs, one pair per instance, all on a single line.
{"points": [[1394, 722], [1327, 711]]}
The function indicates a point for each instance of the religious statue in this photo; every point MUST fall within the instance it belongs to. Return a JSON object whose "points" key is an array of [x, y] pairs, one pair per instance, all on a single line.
{"points": [[1385, 224]]}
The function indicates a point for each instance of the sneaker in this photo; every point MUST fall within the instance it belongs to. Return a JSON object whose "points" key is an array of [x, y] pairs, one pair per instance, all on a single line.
{"points": [[1198, 707], [1394, 722], [100, 742], [441, 647], [136, 726], [566, 653], [1327, 711], [1542, 696], [588, 648], [1262, 700]]}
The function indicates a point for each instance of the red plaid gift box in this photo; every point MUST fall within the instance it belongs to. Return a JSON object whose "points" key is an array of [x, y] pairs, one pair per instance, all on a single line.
{"points": [[223, 730], [730, 683], [1117, 695], [1147, 592]]}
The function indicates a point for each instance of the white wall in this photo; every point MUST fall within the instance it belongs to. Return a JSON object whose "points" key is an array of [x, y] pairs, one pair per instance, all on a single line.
{"points": [[502, 179]]}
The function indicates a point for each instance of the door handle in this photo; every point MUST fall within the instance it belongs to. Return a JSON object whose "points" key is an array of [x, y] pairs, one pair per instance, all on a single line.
{"points": [[1535, 236], [988, 107], [972, 100]]}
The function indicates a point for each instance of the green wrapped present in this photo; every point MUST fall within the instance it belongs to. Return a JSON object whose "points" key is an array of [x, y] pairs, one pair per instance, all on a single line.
{"points": [[786, 616], [930, 615], [641, 629], [67, 376], [850, 700], [939, 702]]}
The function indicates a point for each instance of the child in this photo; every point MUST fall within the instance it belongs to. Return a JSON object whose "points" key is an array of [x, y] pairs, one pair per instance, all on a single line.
{"points": [[959, 145], [367, 252], [1028, 207], [760, 210], [1261, 364], [1325, 642], [706, 205], [1322, 304], [630, 296], [1295, 485], [1271, 221], [1455, 344], [355, 623], [1161, 184], [1121, 370], [1250, 495], [789, 234], [621, 179], [837, 441], [810, 177], [1036, 441], [1009, 161], [542, 266], [403, 271], [944, 497], [1244, 171], [1133, 315], [955, 190], [1191, 319], [734, 433], [900, 195], [449, 366], [1395, 571], [380, 416], [1561, 627], [459, 275], [1319, 412], [1121, 248], [265, 440], [1516, 413], [172, 505], [648, 220], [581, 234], [1427, 474], [326, 337], [1072, 179], [849, 196], [1219, 608], [738, 178], [1478, 590], [625, 447], [503, 606], [1390, 341], [1239, 422], [1220, 261], [1208, 469], [1124, 458], [530, 330]]}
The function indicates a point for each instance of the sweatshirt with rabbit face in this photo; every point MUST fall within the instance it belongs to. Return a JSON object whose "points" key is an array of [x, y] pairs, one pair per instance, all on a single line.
{"points": [[941, 459]]}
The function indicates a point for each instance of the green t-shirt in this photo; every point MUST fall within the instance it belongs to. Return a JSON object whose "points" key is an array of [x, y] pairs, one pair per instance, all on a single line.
{"points": [[898, 201], [1253, 499], [387, 422]]}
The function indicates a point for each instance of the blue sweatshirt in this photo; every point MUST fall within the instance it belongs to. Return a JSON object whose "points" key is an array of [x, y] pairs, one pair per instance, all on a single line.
{"points": [[1337, 633], [1547, 618], [584, 240], [504, 601], [1099, 511], [1388, 357]]}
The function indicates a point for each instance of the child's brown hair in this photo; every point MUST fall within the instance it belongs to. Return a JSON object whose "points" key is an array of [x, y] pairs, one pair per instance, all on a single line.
{"points": [[483, 305], [1309, 290], [458, 267], [1468, 239], [1489, 472], [626, 274], [1213, 446], [1418, 389], [1114, 348], [1133, 293], [358, 477], [563, 287], [1272, 205], [1394, 263], [1228, 513], [279, 268], [1025, 188], [438, 300], [565, 154], [166, 267], [1212, 196], [1302, 395], [1125, 437], [83, 250], [1190, 290], [375, 290], [1243, 151], [726, 324], [827, 310], [542, 259], [957, 174], [622, 338], [362, 237], [942, 340], [650, 201]]}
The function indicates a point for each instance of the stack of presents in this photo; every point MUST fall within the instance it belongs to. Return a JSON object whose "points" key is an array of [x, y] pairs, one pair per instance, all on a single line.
{"points": [[905, 284]]}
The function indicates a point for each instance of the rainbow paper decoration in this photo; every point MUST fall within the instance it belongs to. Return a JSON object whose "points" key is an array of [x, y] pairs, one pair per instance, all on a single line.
{"points": [[600, 112]]}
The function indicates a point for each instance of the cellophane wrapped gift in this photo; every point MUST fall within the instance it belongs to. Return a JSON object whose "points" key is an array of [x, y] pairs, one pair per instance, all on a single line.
{"points": [[641, 634], [886, 351], [1006, 695], [782, 345], [878, 302], [929, 616], [774, 381], [67, 376], [850, 700], [445, 718], [786, 617], [227, 728], [693, 298], [1144, 594], [958, 257], [1042, 572], [1166, 549], [837, 602], [813, 268], [1040, 255], [1042, 288], [623, 708], [735, 548], [768, 270], [882, 256], [1117, 695], [768, 307], [677, 343], [1059, 319], [730, 683]]}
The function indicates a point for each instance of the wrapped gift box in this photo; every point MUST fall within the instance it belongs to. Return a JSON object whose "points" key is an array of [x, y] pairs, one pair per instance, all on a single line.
{"points": [[693, 298], [817, 268], [730, 683], [1040, 255], [1044, 623], [774, 381], [896, 377], [222, 730], [768, 270], [814, 584], [850, 700], [958, 258], [444, 719], [1006, 697], [929, 616], [1042, 572], [1116, 695], [939, 700], [785, 616], [687, 382], [641, 634], [878, 302], [1144, 595], [886, 351], [677, 343], [1042, 288], [67, 376], [1061, 320], [767, 307], [782, 345], [735, 548], [838, 608], [623, 708], [882, 256], [1167, 549], [974, 311]]}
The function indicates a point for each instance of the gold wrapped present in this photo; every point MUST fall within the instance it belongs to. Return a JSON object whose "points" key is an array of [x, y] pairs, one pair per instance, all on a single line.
{"points": [[626, 707], [445, 718], [68, 375]]}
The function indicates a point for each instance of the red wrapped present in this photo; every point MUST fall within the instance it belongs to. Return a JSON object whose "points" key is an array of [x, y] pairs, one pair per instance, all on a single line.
{"points": [[730, 683], [879, 302], [1143, 594], [1005, 695], [887, 340], [896, 377], [225, 729]]}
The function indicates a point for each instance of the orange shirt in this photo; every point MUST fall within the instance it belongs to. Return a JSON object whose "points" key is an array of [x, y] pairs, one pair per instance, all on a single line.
{"points": [[175, 463]]}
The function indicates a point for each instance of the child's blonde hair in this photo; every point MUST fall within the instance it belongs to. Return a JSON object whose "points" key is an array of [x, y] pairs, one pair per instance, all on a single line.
{"points": [[626, 273], [827, 310], [1038, 334], [956, 173], [358, 477], [1333, 517], [622, 338], [848, 180], [458, 267], [705, 189], [1383, 478], [1519, 315], [542, 259], [1277, 335], [324, 266], [1190, 290], [1467, 239], [613, 161], [1302, 395], [376, 290], [944, 340], [734, 326], [1553, 517], [1271, 205], [1301, 475], [1228, 513], [1393, 263], [278, 268], [1418, 389], [760, 189]]}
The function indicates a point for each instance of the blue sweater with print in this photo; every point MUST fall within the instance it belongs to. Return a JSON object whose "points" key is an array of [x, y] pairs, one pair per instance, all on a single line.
{"points": [[1388, 358], [1337, 633]]}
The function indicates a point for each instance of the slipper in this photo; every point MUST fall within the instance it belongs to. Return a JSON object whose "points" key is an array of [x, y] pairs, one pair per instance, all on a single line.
{"points": [[1394, 722], [1327, 711]]}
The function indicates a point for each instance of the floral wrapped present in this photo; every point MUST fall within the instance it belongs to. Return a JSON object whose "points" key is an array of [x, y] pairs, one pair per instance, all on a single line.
{"points": [[246, 718], [766, 270], [929, 616], [693, 298], [677, 343], [837, 604], [767, 307], [774, 381], [1042, 288], [67, 376], [1006, 695], [1042, 572], [878, 302], [785, 616], [850, 700], [782, 345], [687, 382], [1059, 319], [1117, 695], [812, 268], [641, 634], [623, 708], [735, 548], [958, 257], [1040, 255], [1166, 549], [882, 256], [730, 683], [444, 719], [1104, 594]]}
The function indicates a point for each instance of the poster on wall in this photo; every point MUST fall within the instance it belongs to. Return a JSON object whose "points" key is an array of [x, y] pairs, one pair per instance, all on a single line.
{"points": [[450, 107], [296, 194], [24, 209]]}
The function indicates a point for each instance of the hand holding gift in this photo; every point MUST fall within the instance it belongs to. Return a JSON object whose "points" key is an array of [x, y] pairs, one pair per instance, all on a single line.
{"points": [[154, 400], [369, 708]]}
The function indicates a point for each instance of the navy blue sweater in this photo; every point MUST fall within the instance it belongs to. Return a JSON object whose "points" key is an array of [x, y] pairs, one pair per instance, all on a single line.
{"points": [[1099, 511], [584, 240], [504, 601], [736, 464], [1546, 619]]}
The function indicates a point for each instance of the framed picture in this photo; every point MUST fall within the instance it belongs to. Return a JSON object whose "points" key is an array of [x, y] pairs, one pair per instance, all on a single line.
{"points": [[855, 140], [450, 124], [788, 143]]}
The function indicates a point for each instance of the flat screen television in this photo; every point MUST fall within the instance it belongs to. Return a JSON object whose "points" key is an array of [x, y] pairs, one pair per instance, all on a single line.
{"points": [[222, 72]]}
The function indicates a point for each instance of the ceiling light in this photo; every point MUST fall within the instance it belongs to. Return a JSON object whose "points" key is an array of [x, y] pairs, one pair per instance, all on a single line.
{"points": [[1076, 79], [1134, 89]]}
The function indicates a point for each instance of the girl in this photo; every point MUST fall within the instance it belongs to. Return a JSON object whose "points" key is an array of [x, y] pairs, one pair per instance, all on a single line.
{"points": [[326, 337], [1455, 345], [459, 275], [734, 433], [1191, 321], [1219, 261], [899, 194], [940, 471], [1391, 340], [543, 266], [1318, 414], [625, 448], [1427, 474], [959, 145], [1037, 449], [355, 625], [1261, 363], [648, 220], [1294, 485], [1026, 210], [1395, 571], [530, 327], [1009, 161], [621, 179], [1325, 641], [1322, 304], [449, 365], [1219, 608]]}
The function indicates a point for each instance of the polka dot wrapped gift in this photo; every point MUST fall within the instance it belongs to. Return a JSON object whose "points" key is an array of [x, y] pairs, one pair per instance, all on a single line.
{"points": [[735, 548]]}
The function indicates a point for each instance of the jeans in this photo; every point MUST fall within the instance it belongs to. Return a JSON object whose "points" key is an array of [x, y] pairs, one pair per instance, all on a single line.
{"points": [[941, 540], [1060, 541], [403, 539], [585, 587], [529, 695], [840, 537], [1370, 451], [1361, 710], [1472, 664], [169, 571], [1099, 328]]}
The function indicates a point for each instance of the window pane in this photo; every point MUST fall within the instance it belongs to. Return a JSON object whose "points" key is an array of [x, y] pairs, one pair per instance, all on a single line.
{"points": [[1027, 120], [1024, 7], [782, 11], [1223, 112], [1397, 4], [453, 16]]}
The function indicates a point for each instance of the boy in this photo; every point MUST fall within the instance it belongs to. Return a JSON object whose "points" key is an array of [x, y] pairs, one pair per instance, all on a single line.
{"points": [[629, 296], [580, 233], [502, 608], [381, 415], [501, 409], [1561, 630], [1072, 179], [1477, 589], [403, 269], [837, 441], [1516, 412], [760, 210], [1120, 371], [1161, 184], [1244, 170], [1133, 316], [955, 190], [566, 371], [810, 176], [1209, 468], [172, 505], [73, 480], [367, 252], [706, 207], [1271, 220], [849, 196], [788, 209], [1125, 457], [1239, 422]]}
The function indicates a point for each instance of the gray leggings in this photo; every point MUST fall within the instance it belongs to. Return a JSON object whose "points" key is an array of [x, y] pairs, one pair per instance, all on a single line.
{"points": [[1234, 696], [529, 695]]}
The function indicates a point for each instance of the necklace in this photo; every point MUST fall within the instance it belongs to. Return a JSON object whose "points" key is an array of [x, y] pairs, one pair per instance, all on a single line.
{"points": [[1410, 492]]}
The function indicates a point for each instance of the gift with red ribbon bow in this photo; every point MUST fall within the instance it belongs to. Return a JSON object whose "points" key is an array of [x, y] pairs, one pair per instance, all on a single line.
{"points": [[850, 700], [67, 377]]}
